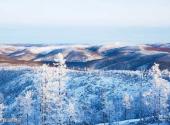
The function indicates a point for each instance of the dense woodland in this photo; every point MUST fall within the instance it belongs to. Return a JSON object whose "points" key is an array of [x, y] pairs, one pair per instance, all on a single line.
{"points": [[46, 95]]}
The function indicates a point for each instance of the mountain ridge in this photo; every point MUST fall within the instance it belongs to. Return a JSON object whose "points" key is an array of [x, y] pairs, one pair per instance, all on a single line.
{"points": [[105, 57]]}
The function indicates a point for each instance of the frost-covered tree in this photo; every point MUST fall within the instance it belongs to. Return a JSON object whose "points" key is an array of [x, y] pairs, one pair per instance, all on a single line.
{"points": [[127, 100], [2, 108], [61, 99], [161, 91], [52, 87], [25, 103], [84, 107], [102, 97], [43, 87], [72, 112], [110, 111], [156, 98], [142, 80]]}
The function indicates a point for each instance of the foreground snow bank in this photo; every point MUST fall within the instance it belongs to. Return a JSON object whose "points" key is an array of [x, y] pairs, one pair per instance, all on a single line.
{"points": [[133, 122]]}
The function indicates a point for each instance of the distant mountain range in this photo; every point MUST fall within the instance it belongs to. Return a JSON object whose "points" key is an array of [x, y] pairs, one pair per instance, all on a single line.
{"points": [[105, 57]]}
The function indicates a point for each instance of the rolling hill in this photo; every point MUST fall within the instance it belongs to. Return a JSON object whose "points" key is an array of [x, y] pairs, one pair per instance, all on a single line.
{"points": [[105, 57]]}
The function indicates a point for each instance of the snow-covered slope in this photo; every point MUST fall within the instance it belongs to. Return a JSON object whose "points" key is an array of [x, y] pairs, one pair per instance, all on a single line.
{"points": [[96, 96]]}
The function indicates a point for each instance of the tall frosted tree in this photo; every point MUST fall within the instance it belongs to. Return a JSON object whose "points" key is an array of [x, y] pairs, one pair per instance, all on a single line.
{"points": [[72, 111], [127, 100], [156, 98], [46, 76], [61, 99], [142, 78], [26, 107], [2, 108], [110, 111], [54, 101], [161, 91]]}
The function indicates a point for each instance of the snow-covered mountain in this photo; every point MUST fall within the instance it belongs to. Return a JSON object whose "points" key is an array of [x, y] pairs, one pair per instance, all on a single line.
{"points": [[107, 57]]}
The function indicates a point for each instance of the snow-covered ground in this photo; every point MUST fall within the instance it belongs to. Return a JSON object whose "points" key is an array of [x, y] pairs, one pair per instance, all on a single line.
{"points": [[134, 122]]}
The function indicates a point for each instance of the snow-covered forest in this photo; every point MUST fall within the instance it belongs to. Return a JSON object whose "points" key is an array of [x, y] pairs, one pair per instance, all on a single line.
{"points": [[56, 95]]}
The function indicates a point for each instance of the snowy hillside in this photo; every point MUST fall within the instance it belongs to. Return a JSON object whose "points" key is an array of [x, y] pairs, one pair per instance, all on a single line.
{"points": [[55, 95]]}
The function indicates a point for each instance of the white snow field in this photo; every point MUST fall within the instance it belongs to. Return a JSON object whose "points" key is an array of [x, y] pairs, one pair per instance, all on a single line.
{"points": [[45, 95]]}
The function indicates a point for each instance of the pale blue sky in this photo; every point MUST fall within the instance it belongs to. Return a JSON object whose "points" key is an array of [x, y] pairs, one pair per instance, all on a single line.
{"points": [[84, 21]]}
